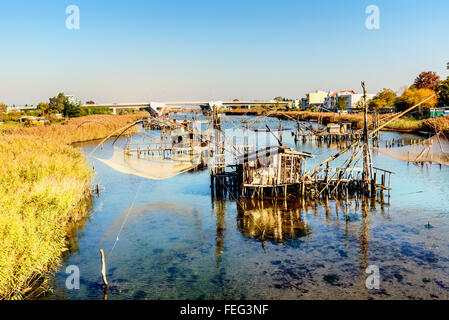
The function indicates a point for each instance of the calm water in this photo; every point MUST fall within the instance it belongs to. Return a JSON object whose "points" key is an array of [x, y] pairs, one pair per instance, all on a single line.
{"points": [[178, 243]]}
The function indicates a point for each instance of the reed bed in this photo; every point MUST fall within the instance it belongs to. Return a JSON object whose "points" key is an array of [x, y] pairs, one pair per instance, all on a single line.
{"points": [[437, 124], [402, 124], [44, 190], [75, 130], [42, 183]]}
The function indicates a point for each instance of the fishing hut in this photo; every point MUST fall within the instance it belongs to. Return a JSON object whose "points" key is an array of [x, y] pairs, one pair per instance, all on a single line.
{"points": [[166, 124], [263, 173], [273, 170], [333, 132], [338, 128], [158, 124]]}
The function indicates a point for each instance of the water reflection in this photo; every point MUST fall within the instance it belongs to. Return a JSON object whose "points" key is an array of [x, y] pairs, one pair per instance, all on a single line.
{"points": [[178, 244], [273, 220], [219, 208], [75, 229]]}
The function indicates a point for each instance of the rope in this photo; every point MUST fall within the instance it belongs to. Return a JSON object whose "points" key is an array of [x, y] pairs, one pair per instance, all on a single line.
{"points": [[126, 218]]}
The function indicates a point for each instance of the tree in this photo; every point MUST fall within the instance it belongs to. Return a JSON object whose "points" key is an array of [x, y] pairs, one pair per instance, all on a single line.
{"points": [[359, 104], [341, 103], [410, 97], [278, 99], [429, 80], [44, 107], [71, 108], [2, 107], [384, 99], [443, 99], [56, 104]]}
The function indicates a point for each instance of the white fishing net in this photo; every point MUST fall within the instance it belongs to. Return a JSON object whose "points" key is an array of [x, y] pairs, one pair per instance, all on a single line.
{"points": [[155, 169], [434, 149]]}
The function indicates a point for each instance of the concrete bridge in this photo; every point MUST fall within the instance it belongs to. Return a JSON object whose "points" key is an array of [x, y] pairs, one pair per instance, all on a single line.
{"points": [[160, 107]]}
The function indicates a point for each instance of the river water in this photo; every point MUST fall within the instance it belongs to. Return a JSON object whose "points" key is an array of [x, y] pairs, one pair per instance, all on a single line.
{"points": [[169, 239]]}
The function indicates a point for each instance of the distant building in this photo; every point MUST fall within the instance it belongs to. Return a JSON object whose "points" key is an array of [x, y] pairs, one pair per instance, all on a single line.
{"points": [[352, 99], [72, 99], [296, 103], [304, 103], [316, 98]]}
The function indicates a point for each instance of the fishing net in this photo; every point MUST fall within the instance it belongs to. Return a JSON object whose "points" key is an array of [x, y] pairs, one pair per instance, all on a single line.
{"points": [[434, 149], [155, 169]]}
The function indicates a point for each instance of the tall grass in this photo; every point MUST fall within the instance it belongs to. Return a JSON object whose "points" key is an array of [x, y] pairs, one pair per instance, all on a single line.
{"points": [[437, 124], [402, 124], [75, 130], [43, 183]]}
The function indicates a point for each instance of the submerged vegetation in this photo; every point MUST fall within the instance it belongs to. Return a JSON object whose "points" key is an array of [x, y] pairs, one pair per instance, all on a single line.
{"points": [[44, 183]]}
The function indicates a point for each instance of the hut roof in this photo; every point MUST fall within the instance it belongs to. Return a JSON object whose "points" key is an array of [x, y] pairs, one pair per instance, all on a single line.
{"points": [[270, 151]]}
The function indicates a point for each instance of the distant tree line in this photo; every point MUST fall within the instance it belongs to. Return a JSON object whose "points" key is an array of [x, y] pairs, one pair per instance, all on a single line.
{"points": [[69, 108], [425, 85]]}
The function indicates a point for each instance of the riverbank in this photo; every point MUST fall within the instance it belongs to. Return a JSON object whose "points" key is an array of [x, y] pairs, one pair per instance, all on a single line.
{"points": [[401, 125], [75, 130], [44, 191]]}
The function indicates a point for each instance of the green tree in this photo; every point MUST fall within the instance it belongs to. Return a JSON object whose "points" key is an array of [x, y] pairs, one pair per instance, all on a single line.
{"points": [[279, 99], [71, 108], [341, 104], [443, 99], [384, 99], [56, 104], [44, 107]]}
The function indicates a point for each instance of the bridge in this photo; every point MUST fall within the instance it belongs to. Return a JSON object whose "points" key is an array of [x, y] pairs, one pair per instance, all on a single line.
{"points": [[160, 107]]}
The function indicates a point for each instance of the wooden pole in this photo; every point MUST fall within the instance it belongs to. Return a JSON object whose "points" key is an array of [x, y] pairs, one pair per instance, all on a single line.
{"points": [[310, 172], [103, 268], [367, 164]]}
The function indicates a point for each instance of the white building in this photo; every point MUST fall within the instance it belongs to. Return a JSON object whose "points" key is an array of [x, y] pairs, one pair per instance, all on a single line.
{"points": [[352, 99], [316, 98], [72, 99]]}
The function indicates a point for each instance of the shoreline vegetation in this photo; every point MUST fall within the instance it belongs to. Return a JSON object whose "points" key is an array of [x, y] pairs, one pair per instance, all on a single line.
{"points": [[404, 124], [44, 191], [45, 188]]}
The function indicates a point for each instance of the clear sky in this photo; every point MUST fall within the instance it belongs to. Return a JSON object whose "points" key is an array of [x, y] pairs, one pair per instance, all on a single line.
{"points": [[185, 49]]}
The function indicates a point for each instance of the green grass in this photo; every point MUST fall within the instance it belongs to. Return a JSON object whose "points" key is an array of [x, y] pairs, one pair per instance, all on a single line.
{"points": [[408, 124]]}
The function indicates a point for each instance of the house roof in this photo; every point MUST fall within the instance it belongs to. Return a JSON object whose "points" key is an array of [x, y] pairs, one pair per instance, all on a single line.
{"points": [[270, 151]]}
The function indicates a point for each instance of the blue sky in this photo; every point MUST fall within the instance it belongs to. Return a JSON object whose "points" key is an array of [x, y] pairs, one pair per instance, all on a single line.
{"points": [[170, 50]]}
